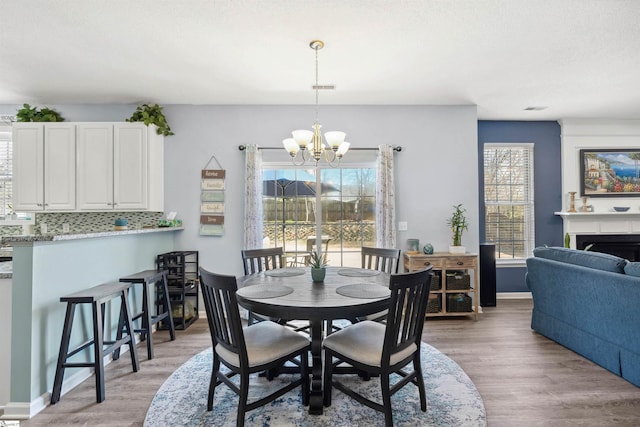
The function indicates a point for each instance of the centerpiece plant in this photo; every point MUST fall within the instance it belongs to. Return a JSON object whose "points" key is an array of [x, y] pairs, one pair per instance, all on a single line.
{"points": [[318, 265]]}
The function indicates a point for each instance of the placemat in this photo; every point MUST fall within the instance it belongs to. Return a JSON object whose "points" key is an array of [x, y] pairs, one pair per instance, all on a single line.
{"points": [[284, 272], [357, 272], [363, 290], [265, 291]]}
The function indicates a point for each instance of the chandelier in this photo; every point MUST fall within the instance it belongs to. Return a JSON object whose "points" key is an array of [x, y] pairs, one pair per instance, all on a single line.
{"points": [[309, 143]]}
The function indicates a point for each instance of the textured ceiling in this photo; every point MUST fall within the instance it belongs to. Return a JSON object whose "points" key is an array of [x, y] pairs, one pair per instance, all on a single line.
{"points": [[579, 58]]}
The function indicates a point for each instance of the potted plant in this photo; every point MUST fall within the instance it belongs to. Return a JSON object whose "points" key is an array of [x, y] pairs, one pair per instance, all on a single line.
{"points": [[29, 114], [458, 223], [318, 265], [152, 114]]}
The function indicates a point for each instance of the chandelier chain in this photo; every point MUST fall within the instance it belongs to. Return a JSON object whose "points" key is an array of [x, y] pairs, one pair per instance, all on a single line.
{"points": [[317, 88]]}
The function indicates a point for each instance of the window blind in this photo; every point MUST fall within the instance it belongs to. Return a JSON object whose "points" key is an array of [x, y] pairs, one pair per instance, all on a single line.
{"points": [[508, 199]]}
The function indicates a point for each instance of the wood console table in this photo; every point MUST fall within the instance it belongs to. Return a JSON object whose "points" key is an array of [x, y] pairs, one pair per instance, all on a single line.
{"points": [[450, 280]]}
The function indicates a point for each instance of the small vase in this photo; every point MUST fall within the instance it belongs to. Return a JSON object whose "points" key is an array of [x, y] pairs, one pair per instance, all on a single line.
{"points": [[457, 249], [317, 274]]}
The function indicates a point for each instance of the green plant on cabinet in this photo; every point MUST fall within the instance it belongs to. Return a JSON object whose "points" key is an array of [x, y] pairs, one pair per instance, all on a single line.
{"points": [[152, 114], [33, 114]]}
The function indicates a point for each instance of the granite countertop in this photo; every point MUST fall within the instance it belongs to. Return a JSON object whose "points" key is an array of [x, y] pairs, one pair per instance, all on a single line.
{"points": [[49, 237]]}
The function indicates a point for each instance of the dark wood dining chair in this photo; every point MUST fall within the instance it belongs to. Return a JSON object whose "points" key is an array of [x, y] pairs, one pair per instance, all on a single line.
{"points": [[257, 260], [256, 348], [384, 349], [381, 259]]}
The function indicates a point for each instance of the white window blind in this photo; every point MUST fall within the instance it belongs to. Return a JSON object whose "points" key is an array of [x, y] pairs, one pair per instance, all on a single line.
{"points": [[508, 199], [5, 170]]}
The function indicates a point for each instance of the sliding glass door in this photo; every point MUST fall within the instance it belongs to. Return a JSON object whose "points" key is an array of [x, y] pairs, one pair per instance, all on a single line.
{"points": [[331, 206]]}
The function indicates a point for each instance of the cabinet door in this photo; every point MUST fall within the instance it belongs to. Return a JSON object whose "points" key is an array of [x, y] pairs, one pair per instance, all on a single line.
{"points": [[130, 169], [28, 167], [95, 166], [59, 167]]}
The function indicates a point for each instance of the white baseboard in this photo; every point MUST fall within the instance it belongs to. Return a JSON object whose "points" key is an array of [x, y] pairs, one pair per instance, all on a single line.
{"points": [[25, 411], [513, 295]]}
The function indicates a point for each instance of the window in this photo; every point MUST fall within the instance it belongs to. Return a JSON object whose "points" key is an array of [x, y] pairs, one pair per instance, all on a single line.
{"points": [[5, 171], [508, 199], [347, 198]]}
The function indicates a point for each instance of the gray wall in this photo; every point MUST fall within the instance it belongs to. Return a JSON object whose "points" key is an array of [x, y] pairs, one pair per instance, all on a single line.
{"points": [[436, 169]]}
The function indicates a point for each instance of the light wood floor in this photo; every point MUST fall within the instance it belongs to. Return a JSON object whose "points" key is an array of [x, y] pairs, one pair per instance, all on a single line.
{"points": [[524, 378]]}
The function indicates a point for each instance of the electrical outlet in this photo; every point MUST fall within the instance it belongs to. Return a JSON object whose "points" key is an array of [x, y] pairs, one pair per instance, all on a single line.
{"points": [[403, 226]]}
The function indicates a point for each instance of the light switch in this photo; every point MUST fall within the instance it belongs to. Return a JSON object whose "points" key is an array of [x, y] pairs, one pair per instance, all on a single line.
{"points": [[402, 226]]}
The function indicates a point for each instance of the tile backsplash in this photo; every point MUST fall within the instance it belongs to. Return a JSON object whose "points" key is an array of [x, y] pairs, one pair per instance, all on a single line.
{"points": [[87, 222]]}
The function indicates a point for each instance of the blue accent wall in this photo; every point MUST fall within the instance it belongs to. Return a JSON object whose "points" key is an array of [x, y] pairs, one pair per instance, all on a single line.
{"points": [[547, 185]]}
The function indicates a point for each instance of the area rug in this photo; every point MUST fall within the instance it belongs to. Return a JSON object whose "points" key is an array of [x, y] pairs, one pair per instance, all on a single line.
{"points": [[452, 400]]}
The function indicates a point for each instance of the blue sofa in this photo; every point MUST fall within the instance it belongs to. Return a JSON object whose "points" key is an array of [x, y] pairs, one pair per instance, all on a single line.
{"points": [[590, 303]]}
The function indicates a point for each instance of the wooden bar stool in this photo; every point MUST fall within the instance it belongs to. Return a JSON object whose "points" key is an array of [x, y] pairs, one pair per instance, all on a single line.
{"points": [[147, 278], [97, 296]]}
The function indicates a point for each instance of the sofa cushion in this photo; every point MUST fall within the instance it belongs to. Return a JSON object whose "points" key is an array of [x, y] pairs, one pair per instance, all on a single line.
{"points": [[632, 269], [597, 260]]}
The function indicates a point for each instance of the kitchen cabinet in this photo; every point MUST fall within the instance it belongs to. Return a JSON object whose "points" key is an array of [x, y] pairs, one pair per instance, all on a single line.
{"points": [[44, 167], [120, 167]]}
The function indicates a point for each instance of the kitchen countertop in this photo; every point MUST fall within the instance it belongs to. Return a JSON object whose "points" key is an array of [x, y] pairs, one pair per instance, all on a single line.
{"points": [[49, 237], [6, 268]]}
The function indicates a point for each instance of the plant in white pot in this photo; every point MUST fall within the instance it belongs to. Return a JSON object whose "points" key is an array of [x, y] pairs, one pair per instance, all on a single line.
{"points": [[458, 223], [318, 265]]}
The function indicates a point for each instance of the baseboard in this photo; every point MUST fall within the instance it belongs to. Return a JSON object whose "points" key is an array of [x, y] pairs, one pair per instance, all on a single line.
{"points": [[513, 295], [25, 411]]}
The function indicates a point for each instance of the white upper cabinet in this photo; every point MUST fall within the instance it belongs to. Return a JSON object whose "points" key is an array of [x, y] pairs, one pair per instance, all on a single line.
{"points": [[44, 167], [88, 167], [120, 167], [95, 166]]}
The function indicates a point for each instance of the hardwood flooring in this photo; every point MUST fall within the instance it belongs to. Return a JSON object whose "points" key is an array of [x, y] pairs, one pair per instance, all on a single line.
{"points": [[524, 378]]}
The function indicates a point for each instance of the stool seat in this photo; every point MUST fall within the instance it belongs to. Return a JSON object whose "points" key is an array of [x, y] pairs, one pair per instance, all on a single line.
{"points": [[146, 278], [97, 296]]}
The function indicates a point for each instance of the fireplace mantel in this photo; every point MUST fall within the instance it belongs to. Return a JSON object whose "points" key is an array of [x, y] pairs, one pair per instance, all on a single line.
{"points": [[576, 223]]}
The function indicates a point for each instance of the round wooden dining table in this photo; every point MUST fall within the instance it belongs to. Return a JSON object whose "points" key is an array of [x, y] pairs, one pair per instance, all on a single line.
{"points": [[289, 293]]}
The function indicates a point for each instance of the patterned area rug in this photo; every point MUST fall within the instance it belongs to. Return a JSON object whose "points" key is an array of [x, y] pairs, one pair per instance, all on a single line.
{"points": [[452, 400]]}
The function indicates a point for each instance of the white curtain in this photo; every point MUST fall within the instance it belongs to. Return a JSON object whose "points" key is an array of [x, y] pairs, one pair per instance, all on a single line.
{"points": [[253, 198], [385, 199]]}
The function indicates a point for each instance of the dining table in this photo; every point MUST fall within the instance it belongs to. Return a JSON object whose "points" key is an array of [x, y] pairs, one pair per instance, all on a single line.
{"points": [[290, 293]]}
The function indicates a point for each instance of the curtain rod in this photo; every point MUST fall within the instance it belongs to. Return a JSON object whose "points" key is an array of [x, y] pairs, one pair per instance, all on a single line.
{"points": [[395, 148]]}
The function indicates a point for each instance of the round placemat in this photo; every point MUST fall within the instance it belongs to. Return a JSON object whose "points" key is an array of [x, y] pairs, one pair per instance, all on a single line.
{"points": [[363, 290], [357, 272], [265, 291], [284, 272]]}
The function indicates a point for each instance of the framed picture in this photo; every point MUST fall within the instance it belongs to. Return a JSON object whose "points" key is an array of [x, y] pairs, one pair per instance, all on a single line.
{"points": [[610, 173]]}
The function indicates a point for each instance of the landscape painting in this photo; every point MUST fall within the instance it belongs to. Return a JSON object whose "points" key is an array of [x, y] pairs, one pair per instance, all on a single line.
{"points": [[610, 173]]}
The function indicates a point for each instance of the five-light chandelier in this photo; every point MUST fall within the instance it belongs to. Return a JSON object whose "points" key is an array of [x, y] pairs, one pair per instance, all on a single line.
{"points": [[309, 143]]}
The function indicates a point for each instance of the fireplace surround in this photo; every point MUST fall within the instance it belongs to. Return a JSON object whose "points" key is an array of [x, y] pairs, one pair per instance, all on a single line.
{"points": [[616, 233]]}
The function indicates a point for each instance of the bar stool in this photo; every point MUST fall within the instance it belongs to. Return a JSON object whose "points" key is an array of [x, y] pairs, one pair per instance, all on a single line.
{"points": [[159, 279], [97, 296]]}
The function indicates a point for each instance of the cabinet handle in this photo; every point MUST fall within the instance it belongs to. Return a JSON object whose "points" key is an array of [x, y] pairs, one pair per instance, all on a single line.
{"points": [[460, 263], [427, 263]]}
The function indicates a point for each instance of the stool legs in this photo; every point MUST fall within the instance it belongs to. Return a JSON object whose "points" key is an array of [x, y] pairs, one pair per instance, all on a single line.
{"points": [[97, 309], [167, 307], [64, 349]]}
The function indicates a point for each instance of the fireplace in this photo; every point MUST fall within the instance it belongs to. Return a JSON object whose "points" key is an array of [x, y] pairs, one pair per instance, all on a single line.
{"points": [[623, 245]]}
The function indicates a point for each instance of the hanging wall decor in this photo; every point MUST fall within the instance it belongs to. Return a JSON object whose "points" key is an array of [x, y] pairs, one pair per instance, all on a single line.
{"points": [[212, 200]]}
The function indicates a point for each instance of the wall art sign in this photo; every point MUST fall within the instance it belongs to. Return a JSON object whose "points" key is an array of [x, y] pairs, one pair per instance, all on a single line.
{"points": [[610, 172], [212, 200]]}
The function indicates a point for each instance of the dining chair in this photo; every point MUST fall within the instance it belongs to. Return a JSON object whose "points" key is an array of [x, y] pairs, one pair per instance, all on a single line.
{"points": [[257, 260], [255, 348], [384, 349], [381, 259]]}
